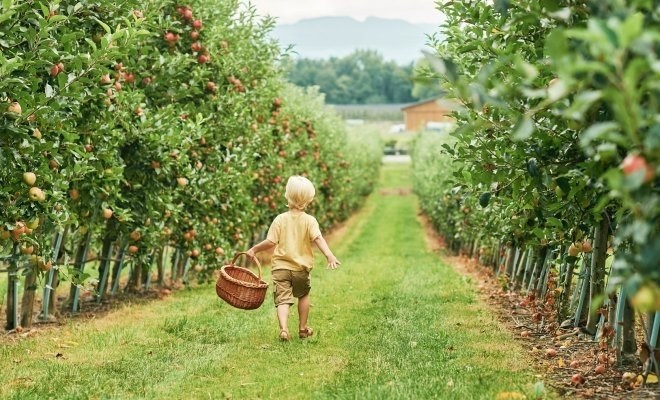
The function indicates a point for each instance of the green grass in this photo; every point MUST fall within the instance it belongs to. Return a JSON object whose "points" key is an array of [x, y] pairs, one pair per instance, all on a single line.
{"points": [[393, 322]]}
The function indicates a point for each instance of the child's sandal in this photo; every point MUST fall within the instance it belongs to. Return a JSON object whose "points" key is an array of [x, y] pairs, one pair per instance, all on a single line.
{"points": [[284, 335], [305, 333]]}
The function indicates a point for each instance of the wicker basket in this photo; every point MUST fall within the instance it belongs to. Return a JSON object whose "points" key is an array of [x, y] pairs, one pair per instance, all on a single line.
{"points": [[241, 287]]}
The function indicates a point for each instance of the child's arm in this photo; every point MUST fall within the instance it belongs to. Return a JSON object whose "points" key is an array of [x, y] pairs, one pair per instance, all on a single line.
{"points": [[259, 247], [333, 263]]}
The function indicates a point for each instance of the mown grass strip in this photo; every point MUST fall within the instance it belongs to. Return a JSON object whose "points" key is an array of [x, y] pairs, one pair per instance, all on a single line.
{"points": [[392, 323]]}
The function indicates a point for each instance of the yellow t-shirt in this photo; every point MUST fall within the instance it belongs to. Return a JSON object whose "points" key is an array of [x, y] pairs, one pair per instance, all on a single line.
{"points": [[293, 233]]}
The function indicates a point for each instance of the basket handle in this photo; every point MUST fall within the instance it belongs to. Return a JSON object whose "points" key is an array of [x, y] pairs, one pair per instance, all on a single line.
{"points": [[255, 259]]}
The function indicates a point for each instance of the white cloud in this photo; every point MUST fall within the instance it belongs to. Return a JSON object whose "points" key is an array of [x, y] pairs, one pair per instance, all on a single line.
{"points": [[288, 11]]}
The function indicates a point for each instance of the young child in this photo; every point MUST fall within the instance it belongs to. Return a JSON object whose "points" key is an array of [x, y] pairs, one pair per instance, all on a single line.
{"points": [[292, 234]]}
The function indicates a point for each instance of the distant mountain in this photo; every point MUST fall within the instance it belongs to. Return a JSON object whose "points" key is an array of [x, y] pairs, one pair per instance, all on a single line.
{"points": [[324, 37]]}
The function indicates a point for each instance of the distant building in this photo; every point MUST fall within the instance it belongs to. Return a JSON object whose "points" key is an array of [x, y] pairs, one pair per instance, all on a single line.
{"points": [[425, 113]]}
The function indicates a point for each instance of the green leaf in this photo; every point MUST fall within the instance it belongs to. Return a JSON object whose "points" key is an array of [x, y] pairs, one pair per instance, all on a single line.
{"points": [[7, 4], [597, 132], [555, 222], [564, 14], [484, 199], [442, 66], [57, 18], [564, 184], [523, 129], [557, 90], [105, 26], [631, 29], [582, 103], [5, 16], [532, 168], [556, 45]]}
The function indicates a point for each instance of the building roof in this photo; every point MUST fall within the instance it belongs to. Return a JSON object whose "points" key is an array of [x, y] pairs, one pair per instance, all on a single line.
{"points": [[419, 103]]}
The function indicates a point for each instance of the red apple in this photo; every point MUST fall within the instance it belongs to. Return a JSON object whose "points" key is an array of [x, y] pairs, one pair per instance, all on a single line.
{"points": [[196, 46], [105, 79], [633, 163], [54, 70], [577, 380], [187, 13], [129, 78], [210, 85], [197, 24], [133, 249], [107, 213], [194, 35], [202, 59]]}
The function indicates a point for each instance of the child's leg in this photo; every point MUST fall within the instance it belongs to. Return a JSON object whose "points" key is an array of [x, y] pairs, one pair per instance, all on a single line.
{"points": [[303, 310], [283, 316]]}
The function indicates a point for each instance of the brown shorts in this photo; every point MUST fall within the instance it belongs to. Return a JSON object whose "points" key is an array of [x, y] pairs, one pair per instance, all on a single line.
{"points": [[289, 284]]}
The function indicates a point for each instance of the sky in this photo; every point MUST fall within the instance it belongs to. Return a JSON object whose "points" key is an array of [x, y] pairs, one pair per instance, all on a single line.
{"points": [[290, 11]]}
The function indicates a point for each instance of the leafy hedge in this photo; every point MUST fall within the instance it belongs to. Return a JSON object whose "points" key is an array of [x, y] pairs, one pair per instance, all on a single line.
{"points": [[556, 151], [129, 127]]}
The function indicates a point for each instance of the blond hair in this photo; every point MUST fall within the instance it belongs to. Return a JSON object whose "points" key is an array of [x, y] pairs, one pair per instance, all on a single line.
{"points": [[299, 192]]}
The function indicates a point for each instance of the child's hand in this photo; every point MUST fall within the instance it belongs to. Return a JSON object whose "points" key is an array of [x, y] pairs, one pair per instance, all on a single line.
{"points": [[251, 254], [333, 263]]}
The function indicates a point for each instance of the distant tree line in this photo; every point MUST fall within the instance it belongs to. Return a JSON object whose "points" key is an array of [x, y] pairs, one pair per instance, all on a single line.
{"points": [[362, 77]]}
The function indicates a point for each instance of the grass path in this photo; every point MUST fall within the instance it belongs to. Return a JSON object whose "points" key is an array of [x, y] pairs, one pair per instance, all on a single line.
{"points": [[393, 322]]}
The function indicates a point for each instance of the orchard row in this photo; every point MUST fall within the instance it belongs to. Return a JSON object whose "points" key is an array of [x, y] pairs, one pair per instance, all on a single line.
{"points": [[551, 177], [153, 133]]}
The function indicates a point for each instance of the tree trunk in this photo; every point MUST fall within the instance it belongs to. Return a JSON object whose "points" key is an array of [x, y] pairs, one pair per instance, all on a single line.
{"points": [[597, 287], [81, 257], [104, 266], [582, 296], [629, 342], [12, 290], [135, 278], [539, 270], [27, 304], [48, 306], [116, 269], [52, 303], [160, 265], [566, 285]]}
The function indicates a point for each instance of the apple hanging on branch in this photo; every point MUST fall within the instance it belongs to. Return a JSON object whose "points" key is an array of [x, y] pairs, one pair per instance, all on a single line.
{"points": [[29, 178], [635, 162]]}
